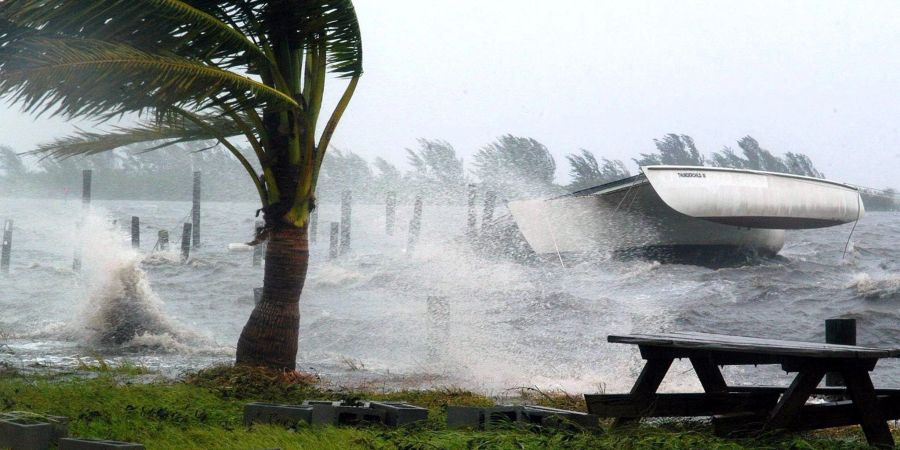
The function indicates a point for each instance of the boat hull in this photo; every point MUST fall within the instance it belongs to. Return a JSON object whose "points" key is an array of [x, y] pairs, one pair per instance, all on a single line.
{"points": [[629, 219]]}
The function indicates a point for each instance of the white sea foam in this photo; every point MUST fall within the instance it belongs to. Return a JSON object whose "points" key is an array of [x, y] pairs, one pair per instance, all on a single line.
{"points": [[885, 286]]}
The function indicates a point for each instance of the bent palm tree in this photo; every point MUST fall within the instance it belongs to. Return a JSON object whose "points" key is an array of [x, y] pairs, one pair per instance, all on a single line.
{"points": [[180, 65]]}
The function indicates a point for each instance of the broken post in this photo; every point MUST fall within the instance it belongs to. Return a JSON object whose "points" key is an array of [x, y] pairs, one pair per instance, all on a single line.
{"points": [[346, 198], [390, 207], [843, 332], [186, 242], [195, 212], [415, 225], [333, 244], [7, 246], [86, 187], [259, 248], [135, 232], [313, 225], [438, 311], [473, 219], [487, 216], [163, 240]]}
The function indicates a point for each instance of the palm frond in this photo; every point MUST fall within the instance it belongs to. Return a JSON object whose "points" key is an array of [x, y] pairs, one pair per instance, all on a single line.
{"points": [[164, 134], [87, 78], [154, 26]]}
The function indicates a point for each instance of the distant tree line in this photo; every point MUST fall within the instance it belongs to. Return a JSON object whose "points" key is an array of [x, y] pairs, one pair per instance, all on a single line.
{"points": [[514, 166]]}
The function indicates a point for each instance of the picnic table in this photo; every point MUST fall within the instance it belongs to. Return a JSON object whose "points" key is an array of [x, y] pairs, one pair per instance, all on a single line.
{"points": [[743, 409]]}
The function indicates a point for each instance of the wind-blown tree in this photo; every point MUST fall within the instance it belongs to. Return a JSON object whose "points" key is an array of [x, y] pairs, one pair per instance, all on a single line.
{"points": [[587, 172], [388, 178], [674, 149], [180, 66], [516, 166], [757, 158], [435, 169]]}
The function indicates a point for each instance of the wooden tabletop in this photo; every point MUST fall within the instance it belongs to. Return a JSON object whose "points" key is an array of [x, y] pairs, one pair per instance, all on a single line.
{"points": [[742, 344]]}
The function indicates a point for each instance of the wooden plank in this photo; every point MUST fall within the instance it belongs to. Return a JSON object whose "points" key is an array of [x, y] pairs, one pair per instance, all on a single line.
{"points": [[718, 342], [646, 385], [709, 374], [787, 409], [680, 405], [818, 391], [812, 417], [862, 393]]}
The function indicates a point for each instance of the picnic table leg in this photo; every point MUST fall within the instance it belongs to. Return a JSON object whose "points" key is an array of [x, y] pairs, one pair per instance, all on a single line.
{"points": [[646, 385], [871, 418], [793, 399], [709, 374]]}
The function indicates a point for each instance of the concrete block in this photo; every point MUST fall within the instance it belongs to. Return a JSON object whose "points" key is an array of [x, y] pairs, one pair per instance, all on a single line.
{"points": [[499, 415], [358, 415], [96, 444], [465, 417], [59, 424], [400, 413], [559, 418], [19, 433], [272, 413]]}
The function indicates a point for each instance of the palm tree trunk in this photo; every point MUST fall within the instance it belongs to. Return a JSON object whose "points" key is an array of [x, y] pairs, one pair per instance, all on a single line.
{"points": [[270, 336]]}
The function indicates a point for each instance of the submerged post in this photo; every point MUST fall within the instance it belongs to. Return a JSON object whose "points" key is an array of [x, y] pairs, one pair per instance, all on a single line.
{"points": [[7, 246], [346, 198], [86, 187], [839, 331], [163, 240], [135, 232], [438, 311], [473, 219], [186, 242], [390, 207], [487, 216], [259, 248], [195, 212], [415, 225], [313, 225], [333, 241]]}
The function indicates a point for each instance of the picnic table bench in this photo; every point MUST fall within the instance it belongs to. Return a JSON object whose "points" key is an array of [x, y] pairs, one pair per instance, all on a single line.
{"points": [[743, 409]]}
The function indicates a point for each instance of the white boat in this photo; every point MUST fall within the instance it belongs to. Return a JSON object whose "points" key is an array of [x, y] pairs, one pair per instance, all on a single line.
{"points": [[681, 207]]}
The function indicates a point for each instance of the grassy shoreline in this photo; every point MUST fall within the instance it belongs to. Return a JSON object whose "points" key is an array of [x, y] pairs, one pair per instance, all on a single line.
{"points": [[203, 410]]}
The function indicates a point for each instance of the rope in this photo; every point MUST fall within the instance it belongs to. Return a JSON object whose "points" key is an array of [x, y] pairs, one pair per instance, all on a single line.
{"points": [[847, 245]]}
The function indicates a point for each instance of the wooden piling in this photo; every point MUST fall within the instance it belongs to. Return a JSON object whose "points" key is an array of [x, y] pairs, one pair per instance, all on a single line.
{"points": [[390, 208], [135, 232], [472, 223], [314, 225], [258, 249], [487, 216], [86, 175], [195, 212], [346, 199], [7, 246], [186, 242], [163, 240], [843, 332], [257, 295], [438, 327], [333, 244], [415, 225]]}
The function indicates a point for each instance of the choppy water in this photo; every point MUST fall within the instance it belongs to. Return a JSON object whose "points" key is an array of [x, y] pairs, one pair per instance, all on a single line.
{"points": [[365, 316]]}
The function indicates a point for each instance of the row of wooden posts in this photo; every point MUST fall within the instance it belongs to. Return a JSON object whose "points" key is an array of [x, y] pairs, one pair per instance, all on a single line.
{"points": [[339, 232]]}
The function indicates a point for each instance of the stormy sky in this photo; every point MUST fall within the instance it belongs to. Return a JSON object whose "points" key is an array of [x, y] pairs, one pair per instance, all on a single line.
{"points": [[817, 77]]}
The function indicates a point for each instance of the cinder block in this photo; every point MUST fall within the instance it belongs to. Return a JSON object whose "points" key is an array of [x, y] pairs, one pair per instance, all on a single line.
{"points": [[400, 413], [60, 424], [286, 415], [559, 418], [358, 415], [96, 444], [465, 417], [19, 433], [501, 414]]}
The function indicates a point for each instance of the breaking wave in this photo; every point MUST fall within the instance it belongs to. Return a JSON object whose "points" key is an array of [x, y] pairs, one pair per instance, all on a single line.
{"points": [[876, 288]]}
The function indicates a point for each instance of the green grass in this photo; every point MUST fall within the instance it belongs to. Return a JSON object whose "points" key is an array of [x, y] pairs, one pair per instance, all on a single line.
{"points": [[203, 411]]}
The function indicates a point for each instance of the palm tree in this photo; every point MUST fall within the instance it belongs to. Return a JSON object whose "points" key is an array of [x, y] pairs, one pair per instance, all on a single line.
{"points": [[181, 67]]}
